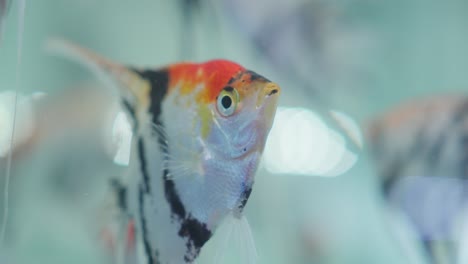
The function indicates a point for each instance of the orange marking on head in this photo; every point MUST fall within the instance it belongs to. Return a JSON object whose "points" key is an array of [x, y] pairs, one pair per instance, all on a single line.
{"points": [[214, 74]]}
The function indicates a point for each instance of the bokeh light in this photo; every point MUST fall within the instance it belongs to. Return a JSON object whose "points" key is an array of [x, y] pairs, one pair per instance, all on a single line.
{"points": [[24, 120], [301, 143]]}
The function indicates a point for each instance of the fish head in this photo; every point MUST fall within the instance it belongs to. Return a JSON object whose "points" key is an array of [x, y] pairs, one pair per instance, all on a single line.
{"points": [[234, 107], [230, 112], [242, 115]]}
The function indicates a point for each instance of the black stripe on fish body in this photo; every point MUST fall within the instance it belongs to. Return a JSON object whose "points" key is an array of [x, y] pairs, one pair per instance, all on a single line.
{"points": [[391, 176], [460, 119], [121, 193], [197, 234], [170, 192], [464, 156], [143, 167], [172, 197], [159, 82], [437, 148], [144, 228], [195, 231], [131, 111], [461, 114], [394, 172]]}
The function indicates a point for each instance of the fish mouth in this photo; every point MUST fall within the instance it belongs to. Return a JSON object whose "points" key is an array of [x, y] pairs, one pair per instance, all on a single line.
{"points": [[269, 92], [267, 102], [265, 108]]}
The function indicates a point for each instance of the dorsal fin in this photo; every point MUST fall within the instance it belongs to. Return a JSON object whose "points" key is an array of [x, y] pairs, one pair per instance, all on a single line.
{"points": [[134, 87]]}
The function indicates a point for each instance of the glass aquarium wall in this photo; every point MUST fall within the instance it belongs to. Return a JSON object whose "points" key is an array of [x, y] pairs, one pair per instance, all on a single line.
{"points": [[365, 161]]}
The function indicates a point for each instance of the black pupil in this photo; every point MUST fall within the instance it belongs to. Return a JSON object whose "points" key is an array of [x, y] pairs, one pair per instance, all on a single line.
{"points": [[226, 101]]}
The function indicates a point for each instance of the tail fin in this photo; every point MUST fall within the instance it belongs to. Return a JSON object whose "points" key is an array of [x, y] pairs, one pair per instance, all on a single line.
{"points": [[133, 90]]}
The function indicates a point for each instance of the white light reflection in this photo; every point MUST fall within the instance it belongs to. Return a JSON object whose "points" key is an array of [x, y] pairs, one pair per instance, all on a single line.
{"points": [[5, 128], [348, 124], [122, 139], [24, 124], [301, 143]]}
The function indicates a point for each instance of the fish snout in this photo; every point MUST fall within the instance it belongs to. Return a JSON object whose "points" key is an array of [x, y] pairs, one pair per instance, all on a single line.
{"points": [[269, 92]]}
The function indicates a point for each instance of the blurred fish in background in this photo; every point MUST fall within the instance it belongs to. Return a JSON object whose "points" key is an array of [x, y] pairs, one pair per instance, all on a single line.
{"points": [[420, 149], [317, 45], [45, 124], [191, 12]]}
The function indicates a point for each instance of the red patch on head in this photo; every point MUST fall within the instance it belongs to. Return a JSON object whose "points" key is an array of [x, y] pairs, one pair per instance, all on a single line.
{"points": [[214, 74]]}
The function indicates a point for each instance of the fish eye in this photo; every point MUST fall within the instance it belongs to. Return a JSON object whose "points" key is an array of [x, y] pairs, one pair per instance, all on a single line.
{"points": [[227, 101]]}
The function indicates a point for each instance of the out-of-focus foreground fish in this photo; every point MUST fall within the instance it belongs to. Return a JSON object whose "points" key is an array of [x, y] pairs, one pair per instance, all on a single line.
{"points": [[420, 150], [199, 132]]}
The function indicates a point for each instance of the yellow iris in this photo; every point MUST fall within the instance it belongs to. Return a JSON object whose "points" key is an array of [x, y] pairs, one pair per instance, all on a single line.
{"points": [[227, 101]]}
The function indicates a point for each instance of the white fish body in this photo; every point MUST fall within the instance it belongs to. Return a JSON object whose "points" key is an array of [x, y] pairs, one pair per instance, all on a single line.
{"points": [[199, 132]]}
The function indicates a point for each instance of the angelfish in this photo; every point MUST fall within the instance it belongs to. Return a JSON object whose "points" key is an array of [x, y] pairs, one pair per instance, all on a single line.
{"points": [[420, 150], [199, 133]]}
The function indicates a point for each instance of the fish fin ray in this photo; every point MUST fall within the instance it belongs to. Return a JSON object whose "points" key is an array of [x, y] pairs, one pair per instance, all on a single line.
{"points": [[238, 231], [180, 160], [227, 231], [129, 85], [249, 250]]}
